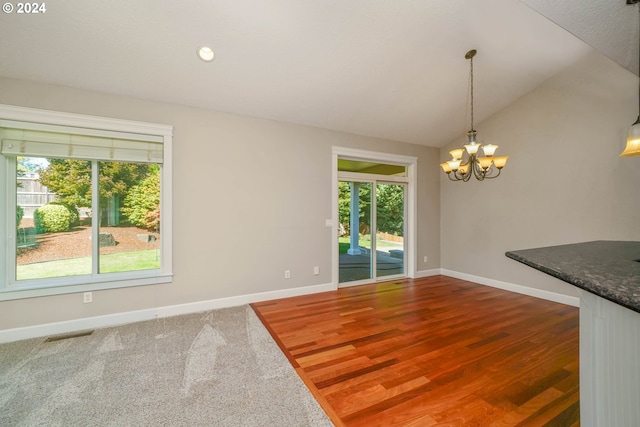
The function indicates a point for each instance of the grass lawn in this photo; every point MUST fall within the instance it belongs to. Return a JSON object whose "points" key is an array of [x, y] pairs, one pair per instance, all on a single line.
{"points": [[123, 261], [343, 247], [343, 243]]}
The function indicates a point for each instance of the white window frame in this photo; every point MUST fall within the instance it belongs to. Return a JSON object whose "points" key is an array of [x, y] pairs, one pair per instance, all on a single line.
{"points": [[10, 288]]}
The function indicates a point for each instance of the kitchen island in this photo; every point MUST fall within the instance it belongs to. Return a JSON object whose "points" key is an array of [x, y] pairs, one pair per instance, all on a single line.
{"points": [[608, 272]]}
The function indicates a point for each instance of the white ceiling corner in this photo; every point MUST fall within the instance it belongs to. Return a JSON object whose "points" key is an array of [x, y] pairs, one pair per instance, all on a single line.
{"points": [[610, 26]]}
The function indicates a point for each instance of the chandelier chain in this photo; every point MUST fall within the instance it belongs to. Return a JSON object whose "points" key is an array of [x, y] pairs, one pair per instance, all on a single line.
{"points": [[472, 93]]}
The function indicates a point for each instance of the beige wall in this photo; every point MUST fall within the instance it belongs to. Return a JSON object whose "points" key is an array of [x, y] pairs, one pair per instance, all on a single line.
{"points": [[269, 188], [260, 209], [564, 182]]}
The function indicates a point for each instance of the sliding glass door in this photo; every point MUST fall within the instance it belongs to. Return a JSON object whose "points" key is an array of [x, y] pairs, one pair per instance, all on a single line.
{"points": [[390, 218], [372, 228], [355, 231]]}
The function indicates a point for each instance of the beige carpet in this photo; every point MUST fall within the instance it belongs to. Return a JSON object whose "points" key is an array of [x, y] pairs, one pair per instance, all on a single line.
{"points": [[219, 368]]}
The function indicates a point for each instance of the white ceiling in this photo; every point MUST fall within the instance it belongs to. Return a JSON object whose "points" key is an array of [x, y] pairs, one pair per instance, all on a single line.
{"points": [[388, 69]]}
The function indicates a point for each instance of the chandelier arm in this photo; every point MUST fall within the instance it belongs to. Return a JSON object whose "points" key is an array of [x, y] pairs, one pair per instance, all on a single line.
{"points": [[487, 173], [477, 171], [496, 175]]}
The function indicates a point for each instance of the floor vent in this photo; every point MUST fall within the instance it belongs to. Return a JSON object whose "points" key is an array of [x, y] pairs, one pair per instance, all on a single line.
{"points": [[67, 336]]}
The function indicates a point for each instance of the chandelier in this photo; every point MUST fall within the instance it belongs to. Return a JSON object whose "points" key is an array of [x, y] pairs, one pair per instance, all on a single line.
{"points": [[467, 161]]}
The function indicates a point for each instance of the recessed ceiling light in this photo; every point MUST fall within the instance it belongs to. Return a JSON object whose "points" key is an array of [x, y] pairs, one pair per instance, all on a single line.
{"points": [[205, 53]]}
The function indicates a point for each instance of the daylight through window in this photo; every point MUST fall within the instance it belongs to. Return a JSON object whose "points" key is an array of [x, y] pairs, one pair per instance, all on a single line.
{"points": [[55, 217], [88, 207]]}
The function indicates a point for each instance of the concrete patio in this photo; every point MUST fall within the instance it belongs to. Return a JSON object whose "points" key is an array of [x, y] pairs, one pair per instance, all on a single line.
{"points": [[358, 267]]}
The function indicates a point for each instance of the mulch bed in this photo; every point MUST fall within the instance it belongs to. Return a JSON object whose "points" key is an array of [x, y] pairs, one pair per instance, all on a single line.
{"points": [[77, 243]]}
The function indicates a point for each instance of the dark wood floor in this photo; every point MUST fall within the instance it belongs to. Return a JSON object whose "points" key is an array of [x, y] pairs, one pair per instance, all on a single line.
{"points": [[432, 351]]}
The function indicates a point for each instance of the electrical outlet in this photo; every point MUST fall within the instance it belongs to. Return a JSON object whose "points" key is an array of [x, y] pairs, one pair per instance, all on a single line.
{"points": [[287, 274], [87, 297], [316, 270], [425, 258]]}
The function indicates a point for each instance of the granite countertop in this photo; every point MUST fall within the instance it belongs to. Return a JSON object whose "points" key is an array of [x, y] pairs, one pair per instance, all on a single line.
{"points": [[609, 269]]}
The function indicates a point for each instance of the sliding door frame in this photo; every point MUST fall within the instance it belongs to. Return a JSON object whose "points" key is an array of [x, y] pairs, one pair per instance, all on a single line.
{"points": [[405, 253], [410, 163]]}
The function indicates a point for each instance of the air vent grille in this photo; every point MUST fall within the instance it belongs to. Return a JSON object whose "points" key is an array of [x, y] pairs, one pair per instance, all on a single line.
{"points": [[67, 336]]}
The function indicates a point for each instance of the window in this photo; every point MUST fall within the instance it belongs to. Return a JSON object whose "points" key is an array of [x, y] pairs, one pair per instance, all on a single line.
{"points": [[88, 203]]}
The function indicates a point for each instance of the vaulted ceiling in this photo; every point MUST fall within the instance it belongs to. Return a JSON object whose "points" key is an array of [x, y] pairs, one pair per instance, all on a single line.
{"points": [[610, 26], [388, 69]]}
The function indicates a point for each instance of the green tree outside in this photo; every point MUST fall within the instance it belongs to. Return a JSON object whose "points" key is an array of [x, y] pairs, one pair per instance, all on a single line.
{"points": [[390, 202], [71, 179], [138, 184], [142, 202]]}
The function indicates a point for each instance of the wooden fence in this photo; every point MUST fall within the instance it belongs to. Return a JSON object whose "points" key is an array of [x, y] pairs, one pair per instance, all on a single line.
{"points": [[390, 237], [31, 195]]}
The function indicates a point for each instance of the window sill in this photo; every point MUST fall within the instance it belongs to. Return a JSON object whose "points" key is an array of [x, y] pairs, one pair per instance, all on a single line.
{"points": [[14, 292]]}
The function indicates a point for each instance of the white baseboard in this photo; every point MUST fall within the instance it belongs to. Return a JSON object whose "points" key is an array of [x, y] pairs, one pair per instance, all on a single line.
{"points": [[427, 273], [533, 292], [68, 326], [83, 324], [214, 304], [57, 328]]}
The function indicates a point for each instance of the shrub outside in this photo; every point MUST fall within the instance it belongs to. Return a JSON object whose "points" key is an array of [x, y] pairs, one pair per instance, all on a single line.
{"points": [[19, 215], [73, 211], [52, 218]]}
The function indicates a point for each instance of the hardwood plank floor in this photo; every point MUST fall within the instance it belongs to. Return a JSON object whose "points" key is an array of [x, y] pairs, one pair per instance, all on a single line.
{"points": [[432, 351]]}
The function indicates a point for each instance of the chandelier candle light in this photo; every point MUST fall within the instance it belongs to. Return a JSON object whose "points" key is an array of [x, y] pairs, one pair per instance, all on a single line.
{"points": [[467, 161]]}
